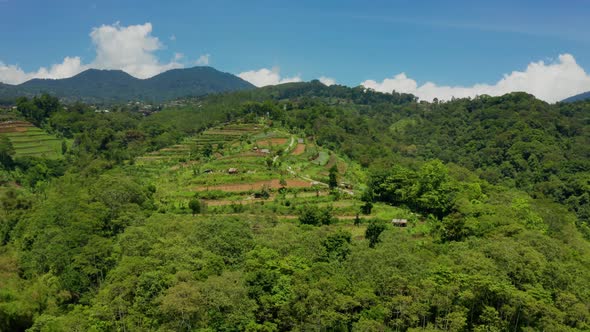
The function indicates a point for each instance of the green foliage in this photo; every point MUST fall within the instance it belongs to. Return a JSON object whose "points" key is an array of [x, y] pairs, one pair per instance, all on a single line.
{"points": [[374, 230], [6, 152], [495, 189], [313, 215], [195, 206], [428, 191], [333, 177]]}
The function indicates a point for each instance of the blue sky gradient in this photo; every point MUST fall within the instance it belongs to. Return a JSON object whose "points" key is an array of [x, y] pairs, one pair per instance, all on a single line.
{"points": [[448, 42]]}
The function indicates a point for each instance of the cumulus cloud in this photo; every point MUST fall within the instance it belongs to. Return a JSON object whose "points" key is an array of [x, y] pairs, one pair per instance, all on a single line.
{"points": [[203, 60], [327, 80], [13, 74], [547, 81], [265, 76], [131, 49]]}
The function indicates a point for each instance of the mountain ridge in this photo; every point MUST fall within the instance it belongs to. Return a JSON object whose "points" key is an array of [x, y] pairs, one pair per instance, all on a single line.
{"points": [[578, 97], [108, 85]]}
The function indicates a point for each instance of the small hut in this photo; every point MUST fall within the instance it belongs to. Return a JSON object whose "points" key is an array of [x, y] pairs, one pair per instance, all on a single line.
{"points": [[232, 171], [399, 222]]}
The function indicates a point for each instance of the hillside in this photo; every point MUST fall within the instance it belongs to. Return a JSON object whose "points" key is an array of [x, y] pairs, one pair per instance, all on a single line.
{"points": [[104, 86], [272, 210], [29, 140], [581, 96]]}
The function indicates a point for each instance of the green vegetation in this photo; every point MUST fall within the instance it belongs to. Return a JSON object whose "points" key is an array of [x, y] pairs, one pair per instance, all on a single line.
{"points": [[208, 216]]}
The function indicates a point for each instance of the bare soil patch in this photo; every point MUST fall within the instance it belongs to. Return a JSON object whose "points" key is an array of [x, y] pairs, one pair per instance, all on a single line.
{"points": [[272, 141], [299, 149]]}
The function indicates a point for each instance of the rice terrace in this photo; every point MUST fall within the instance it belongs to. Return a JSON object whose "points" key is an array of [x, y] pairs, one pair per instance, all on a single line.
{"points": [[29, 140]]}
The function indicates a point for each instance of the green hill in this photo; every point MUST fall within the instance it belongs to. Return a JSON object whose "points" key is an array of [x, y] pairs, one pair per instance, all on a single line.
{"points": [[104, 86], [281, 209], [581, 96]]}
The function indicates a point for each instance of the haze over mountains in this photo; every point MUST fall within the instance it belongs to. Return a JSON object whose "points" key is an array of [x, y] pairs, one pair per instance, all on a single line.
{"points": [[95, 85], [581, 96]]}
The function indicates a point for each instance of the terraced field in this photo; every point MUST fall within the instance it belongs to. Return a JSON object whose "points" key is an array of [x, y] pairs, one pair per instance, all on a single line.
{"points": [[29, 140], [253, 169], [225, 136]]}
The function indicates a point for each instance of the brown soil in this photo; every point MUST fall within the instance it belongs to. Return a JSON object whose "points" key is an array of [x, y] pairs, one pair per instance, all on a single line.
{"points": [[13, 129], [272, 141], [249, 200], [244, 155], [299, 149], [237, 187]]}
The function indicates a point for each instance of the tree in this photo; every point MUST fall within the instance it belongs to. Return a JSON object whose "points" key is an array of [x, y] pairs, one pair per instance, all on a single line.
{"points": [[333, 177], [195, 206], [64, 147], [207, 150], [357, 220], [373, 231], [6, 152], [367, 208], [312, 215]]}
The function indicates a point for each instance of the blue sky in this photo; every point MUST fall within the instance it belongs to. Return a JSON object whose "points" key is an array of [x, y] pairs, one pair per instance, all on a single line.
{"points": [[449, 43]]}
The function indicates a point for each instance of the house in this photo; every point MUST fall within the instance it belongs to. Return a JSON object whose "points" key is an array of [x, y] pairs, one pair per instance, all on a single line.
{"points": [[208, 170], [232, 171], [300, 140], [265, 151], [399, 222]]}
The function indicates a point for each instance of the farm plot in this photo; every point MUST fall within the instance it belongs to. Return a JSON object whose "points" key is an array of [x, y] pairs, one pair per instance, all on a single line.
{"points": [[215, 137], [253, 186], [299, 149], [240, 178], [29, 140]]}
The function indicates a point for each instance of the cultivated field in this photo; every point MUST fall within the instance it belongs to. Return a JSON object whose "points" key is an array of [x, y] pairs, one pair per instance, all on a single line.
{"points": [[29, 140], [238, 177]]}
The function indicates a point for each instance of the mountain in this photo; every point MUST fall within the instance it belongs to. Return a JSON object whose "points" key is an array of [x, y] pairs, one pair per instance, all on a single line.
{"points": [[94, 85], [581, 96]]}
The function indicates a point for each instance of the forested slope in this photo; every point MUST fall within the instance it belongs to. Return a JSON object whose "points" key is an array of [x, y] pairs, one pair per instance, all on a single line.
{"points": [[495, 191]]}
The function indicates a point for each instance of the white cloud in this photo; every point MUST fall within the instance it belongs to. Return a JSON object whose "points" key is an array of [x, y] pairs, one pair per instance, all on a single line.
{"points": [[131, 49], [327, 80], [203, 60], [550, 82], [13, 74], [265, 76]]}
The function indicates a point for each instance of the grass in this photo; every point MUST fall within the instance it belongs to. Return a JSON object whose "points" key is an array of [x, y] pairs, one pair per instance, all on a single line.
{"points": [[178, 179], [32, 141]]}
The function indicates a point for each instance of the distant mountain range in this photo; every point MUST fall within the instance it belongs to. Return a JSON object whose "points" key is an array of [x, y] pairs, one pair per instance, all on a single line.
{"points": [[94, 85], [581, 96]]}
